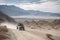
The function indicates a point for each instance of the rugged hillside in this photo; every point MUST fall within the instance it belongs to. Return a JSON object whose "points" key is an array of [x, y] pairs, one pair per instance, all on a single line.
{"points": [[5, 18]]}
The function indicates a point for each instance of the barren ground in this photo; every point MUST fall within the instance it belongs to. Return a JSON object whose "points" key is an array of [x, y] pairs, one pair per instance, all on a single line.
{"points": [[34, 34]]}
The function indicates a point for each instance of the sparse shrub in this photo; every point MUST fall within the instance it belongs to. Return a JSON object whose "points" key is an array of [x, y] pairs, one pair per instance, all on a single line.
{"points": [[3, 32], [3, 28], [49, 36]]}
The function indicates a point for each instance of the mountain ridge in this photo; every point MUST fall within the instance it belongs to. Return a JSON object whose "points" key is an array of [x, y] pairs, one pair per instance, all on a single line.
{"points": [[12, 10]]}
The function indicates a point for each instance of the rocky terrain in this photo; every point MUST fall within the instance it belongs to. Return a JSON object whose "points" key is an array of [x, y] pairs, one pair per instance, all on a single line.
{"points": [[45, 24]]}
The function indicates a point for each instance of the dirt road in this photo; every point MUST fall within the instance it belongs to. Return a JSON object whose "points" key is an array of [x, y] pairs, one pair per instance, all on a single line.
{"points": [[25, 35], [32, 34]]}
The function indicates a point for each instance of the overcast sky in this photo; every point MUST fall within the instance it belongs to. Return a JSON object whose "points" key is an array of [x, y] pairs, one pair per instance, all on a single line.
{"points": [[41, 5]]}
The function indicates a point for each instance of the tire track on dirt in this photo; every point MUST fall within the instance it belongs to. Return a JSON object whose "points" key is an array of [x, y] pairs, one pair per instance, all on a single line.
{"points": [[24, 35], [13, 37]]}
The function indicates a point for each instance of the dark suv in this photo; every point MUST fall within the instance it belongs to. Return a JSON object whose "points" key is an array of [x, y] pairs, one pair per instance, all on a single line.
{"points": [[20, 26]]}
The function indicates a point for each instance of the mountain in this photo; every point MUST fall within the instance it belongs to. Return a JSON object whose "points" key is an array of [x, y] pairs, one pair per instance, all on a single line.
{"points": [[12, 10], [5, 18], [40, 13]]}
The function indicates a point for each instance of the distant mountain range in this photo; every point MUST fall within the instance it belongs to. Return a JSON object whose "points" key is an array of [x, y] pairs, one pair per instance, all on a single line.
{"points": [[12, 10]]}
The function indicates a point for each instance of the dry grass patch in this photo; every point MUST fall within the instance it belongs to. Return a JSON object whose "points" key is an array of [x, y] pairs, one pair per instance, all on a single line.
{"points": [[3, 32], [3, 28]]}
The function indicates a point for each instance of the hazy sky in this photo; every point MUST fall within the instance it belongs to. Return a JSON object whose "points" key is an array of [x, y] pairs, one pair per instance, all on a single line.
{"points": [[41, 5]]}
